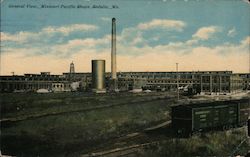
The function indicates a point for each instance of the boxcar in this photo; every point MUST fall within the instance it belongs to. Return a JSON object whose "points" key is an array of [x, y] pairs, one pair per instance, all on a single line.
{"points": [[192, 118]]}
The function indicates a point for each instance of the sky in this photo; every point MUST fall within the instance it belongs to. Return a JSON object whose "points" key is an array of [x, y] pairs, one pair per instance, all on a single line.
{"points": [[152, 35]]}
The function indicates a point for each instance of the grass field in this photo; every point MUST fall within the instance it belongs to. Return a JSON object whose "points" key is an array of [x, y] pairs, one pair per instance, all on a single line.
{"points": [[63, 124]]}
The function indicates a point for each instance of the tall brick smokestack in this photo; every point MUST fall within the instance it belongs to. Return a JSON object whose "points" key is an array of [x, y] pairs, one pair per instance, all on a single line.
{"points": [[113, 50]]}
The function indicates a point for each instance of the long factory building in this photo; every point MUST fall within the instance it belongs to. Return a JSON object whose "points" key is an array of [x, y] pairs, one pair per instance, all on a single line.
{"points": [[200, 81]]}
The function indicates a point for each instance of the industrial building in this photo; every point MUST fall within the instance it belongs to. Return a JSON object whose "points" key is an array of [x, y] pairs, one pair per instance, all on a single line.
{"points": [[206, 82], [30, 82], [201, 81]]}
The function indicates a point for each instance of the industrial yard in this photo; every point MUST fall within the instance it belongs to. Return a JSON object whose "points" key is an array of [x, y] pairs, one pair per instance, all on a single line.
{"points": [[75, 124]]}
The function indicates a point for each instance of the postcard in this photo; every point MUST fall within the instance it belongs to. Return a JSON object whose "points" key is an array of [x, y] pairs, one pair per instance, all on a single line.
{"points": [[111, 78]]}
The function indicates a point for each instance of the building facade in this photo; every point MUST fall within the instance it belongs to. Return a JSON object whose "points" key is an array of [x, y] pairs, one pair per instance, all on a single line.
{"points": [[201, 81], [246, 80], [206, 82], [30, 82]]}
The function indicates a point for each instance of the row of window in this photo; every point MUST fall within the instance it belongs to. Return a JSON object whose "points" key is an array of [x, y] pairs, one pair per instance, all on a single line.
{"points": [[166, 81], [32, 79], [215, 89]]}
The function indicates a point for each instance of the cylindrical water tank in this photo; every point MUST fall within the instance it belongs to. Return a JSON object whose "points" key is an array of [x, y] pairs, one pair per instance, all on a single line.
{"points": [[98, 74]]}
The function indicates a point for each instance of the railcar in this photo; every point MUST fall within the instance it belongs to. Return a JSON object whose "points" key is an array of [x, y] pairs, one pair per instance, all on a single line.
{"points": [[195, 118]]}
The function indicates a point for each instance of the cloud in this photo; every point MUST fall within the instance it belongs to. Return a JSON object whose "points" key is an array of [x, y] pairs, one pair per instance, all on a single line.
{"points": [[75, 46], [88, 42], [247, 1], [161, 58], [131, 57], [246, 41], [18, 37], [163, 23], [164, 57], [232, 32], [205, 33], [61, 50], [65, 30], [130, 37], [106, 19], [20, 63], [50, 37], [47, 32], [143, 33]]}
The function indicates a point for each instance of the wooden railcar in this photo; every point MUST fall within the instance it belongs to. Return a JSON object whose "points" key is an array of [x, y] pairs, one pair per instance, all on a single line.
{"points": [[193, 118]]}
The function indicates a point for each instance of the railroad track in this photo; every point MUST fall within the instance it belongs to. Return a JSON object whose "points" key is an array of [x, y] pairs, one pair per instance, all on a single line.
{"points": [[123, 151], [132, 149]]}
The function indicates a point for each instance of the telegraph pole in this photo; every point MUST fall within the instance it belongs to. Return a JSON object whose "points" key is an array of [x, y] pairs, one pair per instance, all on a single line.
{"points": [[177, 81]]}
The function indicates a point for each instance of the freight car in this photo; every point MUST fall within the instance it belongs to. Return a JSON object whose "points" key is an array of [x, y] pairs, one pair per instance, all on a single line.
{"points": [[194, 118]]}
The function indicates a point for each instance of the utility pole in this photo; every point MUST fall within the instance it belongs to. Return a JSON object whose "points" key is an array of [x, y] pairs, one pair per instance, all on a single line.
{"points": [[249, 62], [177, 81]]}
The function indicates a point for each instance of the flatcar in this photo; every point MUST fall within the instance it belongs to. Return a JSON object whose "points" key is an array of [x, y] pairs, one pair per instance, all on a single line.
{"points": [[195, 118]]}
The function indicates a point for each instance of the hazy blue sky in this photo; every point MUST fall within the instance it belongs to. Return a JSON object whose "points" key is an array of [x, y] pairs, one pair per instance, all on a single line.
{"points": [[152, 35]]}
